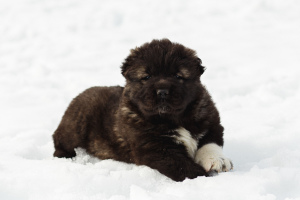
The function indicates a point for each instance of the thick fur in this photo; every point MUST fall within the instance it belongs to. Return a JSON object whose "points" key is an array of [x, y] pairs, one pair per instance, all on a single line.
{"points": [[161, 118]]}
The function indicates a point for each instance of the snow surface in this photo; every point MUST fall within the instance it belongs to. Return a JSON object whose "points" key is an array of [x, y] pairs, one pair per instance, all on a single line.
{"points": [[50, 50]]}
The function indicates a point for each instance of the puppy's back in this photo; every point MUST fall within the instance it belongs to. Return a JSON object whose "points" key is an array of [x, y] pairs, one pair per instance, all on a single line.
{"points": [[90, 114]]}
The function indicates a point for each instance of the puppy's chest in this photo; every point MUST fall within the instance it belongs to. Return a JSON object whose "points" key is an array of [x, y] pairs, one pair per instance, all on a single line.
{"points": [[182, 136]]}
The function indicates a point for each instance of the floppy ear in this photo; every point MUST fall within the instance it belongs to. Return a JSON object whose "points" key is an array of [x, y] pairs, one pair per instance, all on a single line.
{"points": [[124, 68], [201, 68], [127, 63]]}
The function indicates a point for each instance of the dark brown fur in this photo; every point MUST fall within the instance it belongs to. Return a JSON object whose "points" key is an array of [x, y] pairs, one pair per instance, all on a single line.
{"points": [[137, 123]]}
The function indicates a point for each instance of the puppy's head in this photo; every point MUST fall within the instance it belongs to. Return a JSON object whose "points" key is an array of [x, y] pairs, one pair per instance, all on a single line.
{"points": [[162, 77]]}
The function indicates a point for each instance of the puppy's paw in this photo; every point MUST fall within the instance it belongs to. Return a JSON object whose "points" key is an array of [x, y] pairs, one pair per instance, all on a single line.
{"points": [[211, 158]]}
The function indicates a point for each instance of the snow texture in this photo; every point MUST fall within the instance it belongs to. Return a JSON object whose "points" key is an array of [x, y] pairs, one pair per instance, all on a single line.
{"points": [[52, 50]]}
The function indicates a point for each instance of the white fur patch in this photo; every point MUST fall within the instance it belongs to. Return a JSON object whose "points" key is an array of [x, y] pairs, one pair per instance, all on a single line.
{"points": [[187, 140], [211, 157]]}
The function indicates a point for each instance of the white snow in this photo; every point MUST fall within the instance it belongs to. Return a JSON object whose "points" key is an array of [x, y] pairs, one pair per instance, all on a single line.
{"points": [[52, 50]]}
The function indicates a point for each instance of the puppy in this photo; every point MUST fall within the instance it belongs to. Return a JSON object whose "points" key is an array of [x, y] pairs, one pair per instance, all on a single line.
{"points": [[163, 118]]}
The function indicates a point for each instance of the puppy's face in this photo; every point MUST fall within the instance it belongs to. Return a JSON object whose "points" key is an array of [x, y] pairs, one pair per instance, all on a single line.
{"points": [[162, 78]]}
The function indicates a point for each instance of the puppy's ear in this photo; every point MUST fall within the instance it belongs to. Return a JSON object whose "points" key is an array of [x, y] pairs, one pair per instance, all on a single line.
{"points": [[124, 68], [127, 63], [200, 67]]}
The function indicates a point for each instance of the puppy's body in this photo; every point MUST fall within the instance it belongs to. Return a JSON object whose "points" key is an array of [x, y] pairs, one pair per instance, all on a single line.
{"points": [[163, 118]]}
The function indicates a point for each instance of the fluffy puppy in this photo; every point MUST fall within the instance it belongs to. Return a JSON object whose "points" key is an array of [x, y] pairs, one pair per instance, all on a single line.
{"points": [[163, 118]]}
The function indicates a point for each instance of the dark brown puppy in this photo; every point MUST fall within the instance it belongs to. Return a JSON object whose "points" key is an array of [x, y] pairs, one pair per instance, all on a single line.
{"points": [[163, 118]]}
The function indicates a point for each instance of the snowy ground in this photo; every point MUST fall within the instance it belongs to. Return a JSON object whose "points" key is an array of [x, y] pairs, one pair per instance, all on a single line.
{"points": [[52, 50]]}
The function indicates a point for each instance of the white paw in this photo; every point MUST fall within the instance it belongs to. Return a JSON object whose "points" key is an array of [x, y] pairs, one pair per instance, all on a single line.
{"points": [[211, 158]]}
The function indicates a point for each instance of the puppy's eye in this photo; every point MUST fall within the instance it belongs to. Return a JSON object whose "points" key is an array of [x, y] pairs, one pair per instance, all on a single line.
{"points": [[179, 77], [146, 78]]}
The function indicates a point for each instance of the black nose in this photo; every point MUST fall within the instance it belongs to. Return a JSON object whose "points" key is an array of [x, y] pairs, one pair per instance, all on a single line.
{"points": [[162, 93]]}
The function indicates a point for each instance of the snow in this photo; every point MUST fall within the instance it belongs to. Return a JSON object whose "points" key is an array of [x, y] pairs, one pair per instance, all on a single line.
{"points": [[52, 50]]}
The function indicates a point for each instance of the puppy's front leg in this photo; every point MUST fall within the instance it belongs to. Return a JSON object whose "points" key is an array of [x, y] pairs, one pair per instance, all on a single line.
{"points": [[172, 160], [211, 158]]}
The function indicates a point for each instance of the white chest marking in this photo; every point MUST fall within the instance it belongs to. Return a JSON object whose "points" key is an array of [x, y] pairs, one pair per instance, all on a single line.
{"points": [[184, 137]]}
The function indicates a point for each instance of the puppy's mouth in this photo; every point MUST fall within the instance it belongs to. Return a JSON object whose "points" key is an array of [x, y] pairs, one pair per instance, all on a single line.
{"points": [[163, 109], [159, 109]]}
